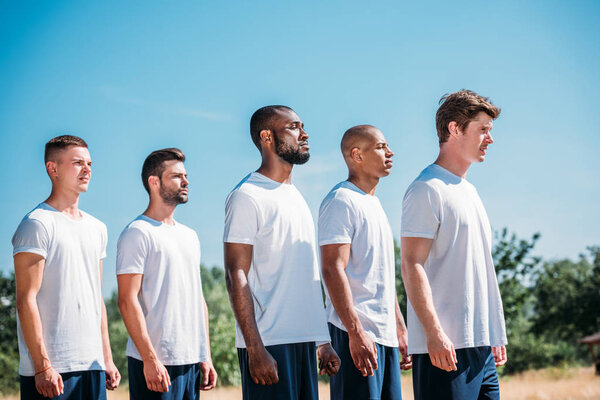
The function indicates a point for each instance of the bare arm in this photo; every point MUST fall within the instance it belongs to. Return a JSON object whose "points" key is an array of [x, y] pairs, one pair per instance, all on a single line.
{"points": [[113, 377], [157, 377], [334, 259], [209, 375], [238, 258], [29, 271], [414, 252], [406, 362]]}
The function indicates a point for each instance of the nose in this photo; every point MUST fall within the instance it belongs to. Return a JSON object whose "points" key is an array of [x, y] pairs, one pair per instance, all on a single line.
{"points": [[185, 182], [303, 134], [490, 139], [389, 153]]}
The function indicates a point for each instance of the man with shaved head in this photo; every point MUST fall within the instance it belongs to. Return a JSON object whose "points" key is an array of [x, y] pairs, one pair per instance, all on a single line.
{"points": [[357, 256]]}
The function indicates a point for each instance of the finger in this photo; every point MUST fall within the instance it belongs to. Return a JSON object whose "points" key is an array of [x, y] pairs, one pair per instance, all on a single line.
{"points": [[454, 359], [205, 373], [369, 367], [164, 386], [168, 378], [435, 361], [61, 385], [373, 357], [276, 375], [451, 363]]}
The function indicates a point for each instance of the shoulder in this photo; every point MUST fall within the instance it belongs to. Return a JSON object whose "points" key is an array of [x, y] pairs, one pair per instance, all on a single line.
{"points": [[38, 219], [138, 229], [339, 197], [94, 221], [186, 230]]}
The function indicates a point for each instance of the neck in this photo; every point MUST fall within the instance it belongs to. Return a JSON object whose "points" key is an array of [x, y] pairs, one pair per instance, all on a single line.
{"points": [[452, 162], [273, 167], [365, 183], [65, 202], [160, 211]]}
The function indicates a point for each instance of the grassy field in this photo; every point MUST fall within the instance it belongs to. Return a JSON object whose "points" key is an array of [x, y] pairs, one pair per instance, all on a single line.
{"points": [[548, 384]]}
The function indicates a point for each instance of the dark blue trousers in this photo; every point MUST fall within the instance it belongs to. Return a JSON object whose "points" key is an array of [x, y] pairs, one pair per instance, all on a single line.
{"points": [[475, 378], [80, 385], [349, 384], [185, 382], [296, 368]]}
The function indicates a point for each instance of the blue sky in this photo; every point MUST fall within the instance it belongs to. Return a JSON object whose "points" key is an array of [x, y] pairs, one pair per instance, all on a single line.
{"points": [[132, 77]]}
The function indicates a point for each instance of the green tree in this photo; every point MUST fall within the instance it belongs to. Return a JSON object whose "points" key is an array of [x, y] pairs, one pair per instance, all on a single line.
{"points": [[9, 350], [221, 325], [118, 335], [568, 299], [514, 266], [400, 291]]}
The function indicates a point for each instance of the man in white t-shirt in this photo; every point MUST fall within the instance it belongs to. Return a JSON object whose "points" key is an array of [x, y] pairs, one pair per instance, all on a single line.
{"points": [[271, 268], [160, 292], [58, 250], [456, 330], [357, 258]]}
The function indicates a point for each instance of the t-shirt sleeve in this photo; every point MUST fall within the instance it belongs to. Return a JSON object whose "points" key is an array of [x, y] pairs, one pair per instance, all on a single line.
{"points": [[241, 219], [420, 211], [31, 237], [132, 250], [335, 222]]}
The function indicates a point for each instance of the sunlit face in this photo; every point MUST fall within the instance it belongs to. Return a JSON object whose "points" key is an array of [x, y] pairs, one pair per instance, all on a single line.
{"points": [[174, 183], [475, 139], [376, 155], [291, 140], [71, 169]]}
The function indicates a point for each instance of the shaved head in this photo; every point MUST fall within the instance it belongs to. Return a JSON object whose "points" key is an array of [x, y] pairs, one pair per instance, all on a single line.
{"points": [[357, 136]]}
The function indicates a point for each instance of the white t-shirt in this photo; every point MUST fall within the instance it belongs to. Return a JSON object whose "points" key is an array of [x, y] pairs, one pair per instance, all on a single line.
{"points": [[349, 215], [446, 208], [284, 276], [171, 296], [70, 298]]}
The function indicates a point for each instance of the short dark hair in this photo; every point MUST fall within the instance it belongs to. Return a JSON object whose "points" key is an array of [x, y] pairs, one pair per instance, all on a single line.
{"points": [[59, 143], [461, 107], [154, 163], [261, 120]]}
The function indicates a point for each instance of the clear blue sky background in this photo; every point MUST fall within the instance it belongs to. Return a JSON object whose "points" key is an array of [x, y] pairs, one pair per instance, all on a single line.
{"points": [[132, 77]]}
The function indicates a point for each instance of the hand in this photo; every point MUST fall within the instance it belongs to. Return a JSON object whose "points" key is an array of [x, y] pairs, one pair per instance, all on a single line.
{"points": [[499, 355], [113, 377], [441, 351], [406, 361], [209, 375], [157, 377], [49, 383], [263, 367], [329, 362], [363, 352]]}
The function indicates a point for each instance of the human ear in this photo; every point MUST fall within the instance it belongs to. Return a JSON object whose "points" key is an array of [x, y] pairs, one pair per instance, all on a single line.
{"points": [[266, 136], [51, 168], [356, 154], [153, 181], [453, 127]]}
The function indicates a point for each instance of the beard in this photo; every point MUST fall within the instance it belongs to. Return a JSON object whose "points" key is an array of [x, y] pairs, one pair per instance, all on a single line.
{"points": [[288, 153], [172, 197]]}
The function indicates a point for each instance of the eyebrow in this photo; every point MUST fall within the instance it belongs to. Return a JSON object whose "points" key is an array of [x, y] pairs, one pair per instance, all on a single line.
{"points": [[80, 159]]}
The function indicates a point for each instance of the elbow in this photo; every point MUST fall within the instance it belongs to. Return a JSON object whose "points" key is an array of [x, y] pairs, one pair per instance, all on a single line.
{"points": [[123, 303]]}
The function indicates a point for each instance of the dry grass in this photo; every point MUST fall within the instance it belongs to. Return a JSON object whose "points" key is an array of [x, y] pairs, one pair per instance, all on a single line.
{"points": [[548, 384]]}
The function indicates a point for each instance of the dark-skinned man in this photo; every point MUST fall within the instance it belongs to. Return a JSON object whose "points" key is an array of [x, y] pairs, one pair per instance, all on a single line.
{"points": [[357, 257], [271, 268]]}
